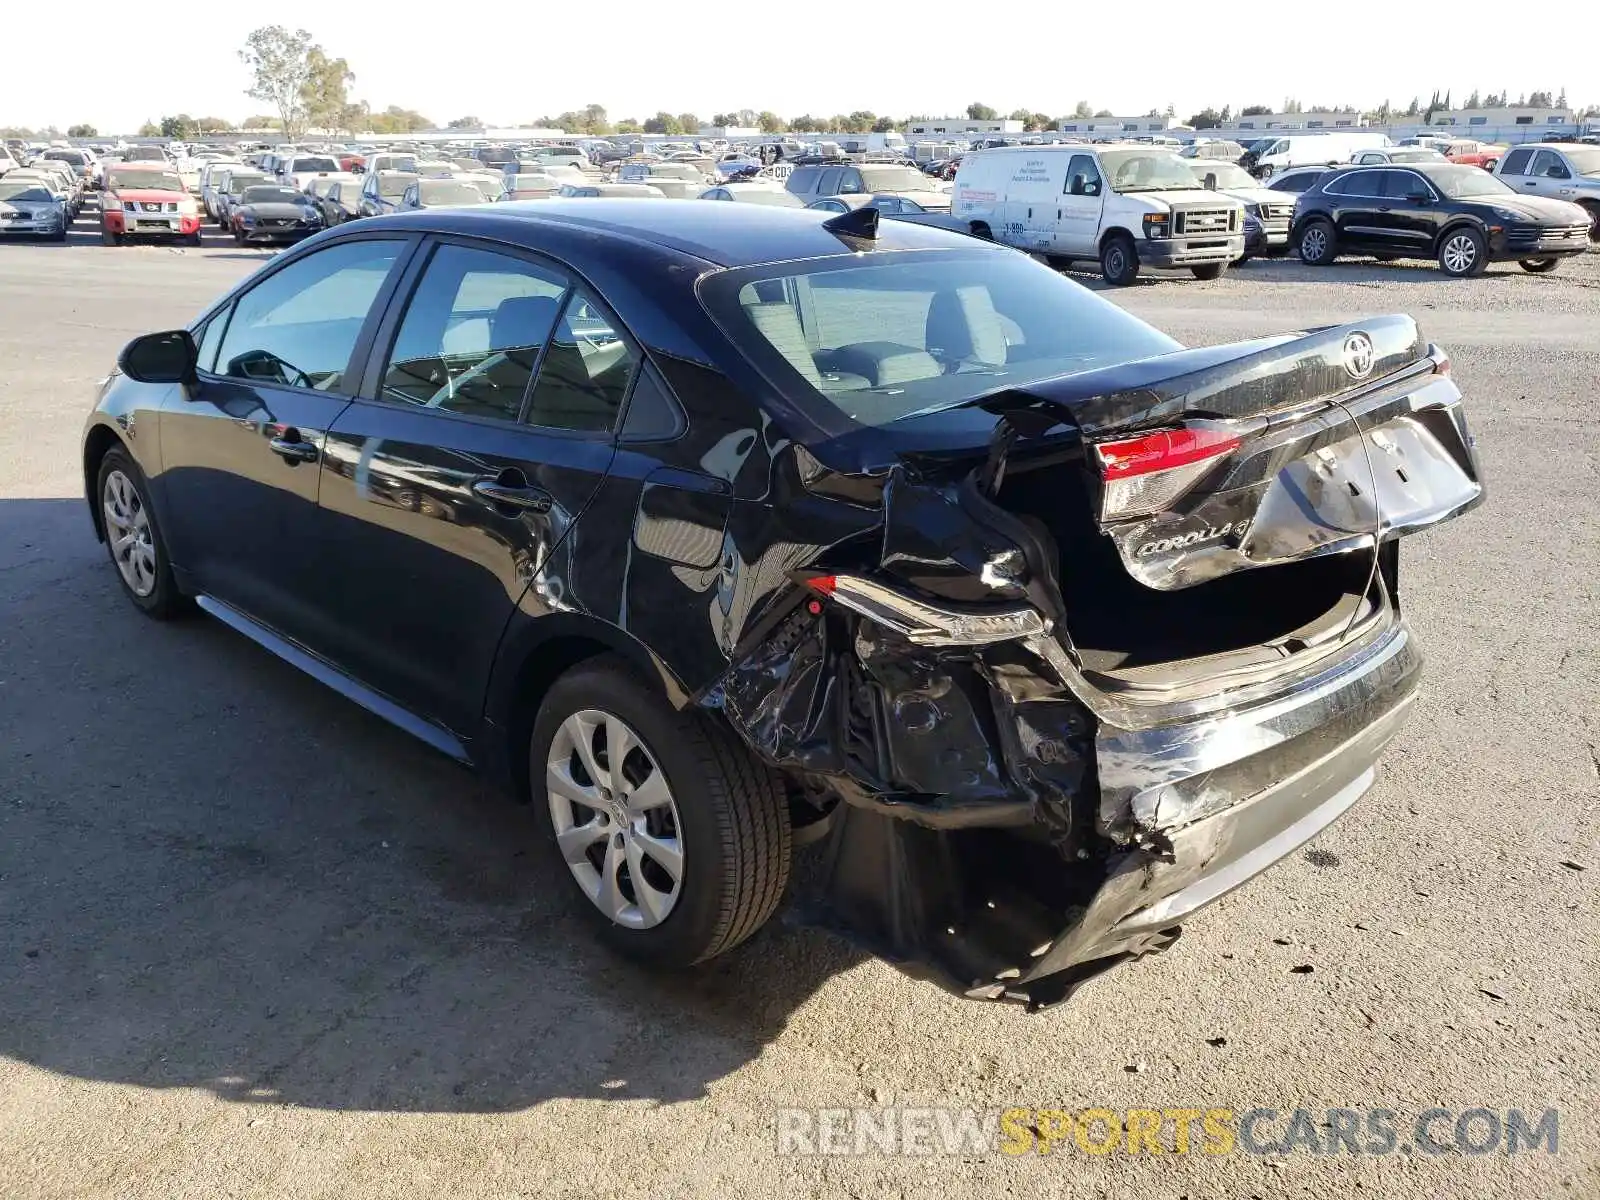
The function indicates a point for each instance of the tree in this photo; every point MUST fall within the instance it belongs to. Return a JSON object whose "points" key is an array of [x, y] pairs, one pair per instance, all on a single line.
{"points": [[280, 63], [149, 129], [628, 125], [1539, 100], [770, 122], [1291, 105], [981, 112], [1474, 100], [88, 131], [884, 125], [1206, 118], [1227, 114], [862, 120], [688, 123], [325, 95], [1082, 110], [805, 124], [261, 121], [1172, 111], [465, 123], [1104, 112], [663, 122], [178, 127], [1038, 122], [1414, 108], [395, 119], [1561, 100], [1255, 110]]}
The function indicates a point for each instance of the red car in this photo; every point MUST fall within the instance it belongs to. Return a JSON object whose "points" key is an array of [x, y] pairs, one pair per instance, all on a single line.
{"points": [[1473, 154], [147, 200]]}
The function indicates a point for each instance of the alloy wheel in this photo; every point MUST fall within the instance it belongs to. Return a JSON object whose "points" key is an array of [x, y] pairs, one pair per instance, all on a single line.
{"points": [[1313, 243], [615, 819], [1460, 252], [128, 530]]}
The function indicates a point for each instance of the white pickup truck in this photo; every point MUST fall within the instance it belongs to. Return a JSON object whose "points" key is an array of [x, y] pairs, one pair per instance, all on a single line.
{"points": [[1123, 206], [1559, 170]]}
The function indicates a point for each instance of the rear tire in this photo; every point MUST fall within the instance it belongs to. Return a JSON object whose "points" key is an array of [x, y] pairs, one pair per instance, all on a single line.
{"points": [[1539, 266], [1593, 209], [1463, 252], [1119, 261], [1210, 271], [1316, 244], [724, 814]]}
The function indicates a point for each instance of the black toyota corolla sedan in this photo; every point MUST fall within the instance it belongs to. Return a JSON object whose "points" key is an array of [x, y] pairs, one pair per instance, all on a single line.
{"points": [[714, 530], [1461, 216]]}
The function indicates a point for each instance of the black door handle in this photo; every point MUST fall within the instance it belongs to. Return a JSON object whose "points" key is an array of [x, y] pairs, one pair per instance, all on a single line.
{"points": [[293, 450], [529, 499]]}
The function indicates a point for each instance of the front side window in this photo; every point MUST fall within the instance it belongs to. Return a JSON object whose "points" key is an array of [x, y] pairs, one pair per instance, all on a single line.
{"points": [[901, 334], [299, 326], [1550, 166], [584, 377], [472, 333], [1083, 176]]}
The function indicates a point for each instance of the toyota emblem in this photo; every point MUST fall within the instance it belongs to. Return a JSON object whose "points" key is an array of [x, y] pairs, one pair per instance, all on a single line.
{"points": [[1358, 355]]}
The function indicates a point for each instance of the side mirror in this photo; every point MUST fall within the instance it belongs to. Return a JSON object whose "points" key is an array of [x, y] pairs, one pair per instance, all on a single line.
{"points": [[1557, 172], [169, 357], [1420, 197]]}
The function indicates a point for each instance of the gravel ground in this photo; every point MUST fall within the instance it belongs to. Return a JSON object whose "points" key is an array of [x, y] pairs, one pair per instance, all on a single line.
{"points": [[255, 943]]}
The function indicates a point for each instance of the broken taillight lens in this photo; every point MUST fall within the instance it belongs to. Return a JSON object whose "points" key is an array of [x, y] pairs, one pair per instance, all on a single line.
{"points": [[923, 622], [1147, 473]]}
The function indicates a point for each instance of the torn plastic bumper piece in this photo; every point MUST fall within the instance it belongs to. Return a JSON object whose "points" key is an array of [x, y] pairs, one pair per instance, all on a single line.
{"points": [[998, 839]]}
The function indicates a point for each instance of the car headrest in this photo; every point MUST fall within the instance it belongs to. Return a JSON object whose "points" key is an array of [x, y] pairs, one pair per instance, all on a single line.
{"points": [[963, 325], [522, 321]]}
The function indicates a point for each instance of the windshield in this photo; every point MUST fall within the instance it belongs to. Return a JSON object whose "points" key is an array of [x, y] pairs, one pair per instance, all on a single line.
{"points": [[917, 332], [1460, 182], [894, 179], [1227, 175], [395, 185], [445, 191], [144, 154], [396, 162], [24, 191], [239, 182], [270, 195], [313, 164], [75, 157], [1146, 171], [1584, 162], [164, 181], [774, 196]]}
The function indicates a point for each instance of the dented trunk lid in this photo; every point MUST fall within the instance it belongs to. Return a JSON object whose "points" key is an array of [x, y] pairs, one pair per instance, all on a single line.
{"points": [[1205, 462]]}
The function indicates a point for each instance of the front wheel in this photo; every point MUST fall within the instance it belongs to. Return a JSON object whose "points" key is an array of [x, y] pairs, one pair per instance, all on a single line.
{"points": [[1317, 244], [1119, 261], [677, 839], [107, 238], [192, 239], [1209, 271], [1539, 266], [1463, 252], [138, 551]]}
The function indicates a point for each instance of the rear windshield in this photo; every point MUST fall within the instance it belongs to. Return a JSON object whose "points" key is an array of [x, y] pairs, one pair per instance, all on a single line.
{"points": [[313, 164], [909, 333], [158, 180], [895, 179]]}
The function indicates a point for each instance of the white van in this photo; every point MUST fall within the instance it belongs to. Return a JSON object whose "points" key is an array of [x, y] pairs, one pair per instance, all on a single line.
{"points": [[1122, 206], [1315, 150]]}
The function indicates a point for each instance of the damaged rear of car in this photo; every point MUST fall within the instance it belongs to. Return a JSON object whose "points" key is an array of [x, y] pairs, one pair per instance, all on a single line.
{"points": [[1116, 624]]}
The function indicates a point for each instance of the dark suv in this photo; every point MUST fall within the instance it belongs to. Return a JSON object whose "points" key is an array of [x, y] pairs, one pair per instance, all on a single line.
{"points": [[1461, 216], [713, 528], [814, 181]]}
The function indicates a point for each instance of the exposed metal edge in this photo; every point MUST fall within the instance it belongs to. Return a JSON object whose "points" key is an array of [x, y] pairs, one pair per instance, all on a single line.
{"points": [[379, 706]]}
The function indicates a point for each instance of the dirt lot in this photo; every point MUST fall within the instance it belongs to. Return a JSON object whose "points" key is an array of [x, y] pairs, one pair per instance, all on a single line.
{"points": [[255, 943]]}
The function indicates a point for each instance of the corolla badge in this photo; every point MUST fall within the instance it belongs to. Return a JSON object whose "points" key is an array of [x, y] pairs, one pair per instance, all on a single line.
{"points": [[1358, 355]]}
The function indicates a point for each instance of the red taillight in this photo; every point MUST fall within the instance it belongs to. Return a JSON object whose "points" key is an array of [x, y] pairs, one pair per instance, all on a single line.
{"points": [[1148, 473], [823, 585], [1162, 451]]}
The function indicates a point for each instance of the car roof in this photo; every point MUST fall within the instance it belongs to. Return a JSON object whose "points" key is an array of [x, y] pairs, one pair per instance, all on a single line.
{"points": [[725, 235]]}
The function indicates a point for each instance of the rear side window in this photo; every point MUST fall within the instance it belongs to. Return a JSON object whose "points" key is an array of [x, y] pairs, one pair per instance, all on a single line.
{"points": [[804, 179], [829, 184], [1517, 162], [584, 377], [299, 326], [473, 332]]}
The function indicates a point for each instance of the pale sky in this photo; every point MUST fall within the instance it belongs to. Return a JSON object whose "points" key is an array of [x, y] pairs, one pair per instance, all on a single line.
{"points": [[510, 63]]}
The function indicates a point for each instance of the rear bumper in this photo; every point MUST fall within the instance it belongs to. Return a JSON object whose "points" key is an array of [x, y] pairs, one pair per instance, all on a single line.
{"points": [[1190, 252]]}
